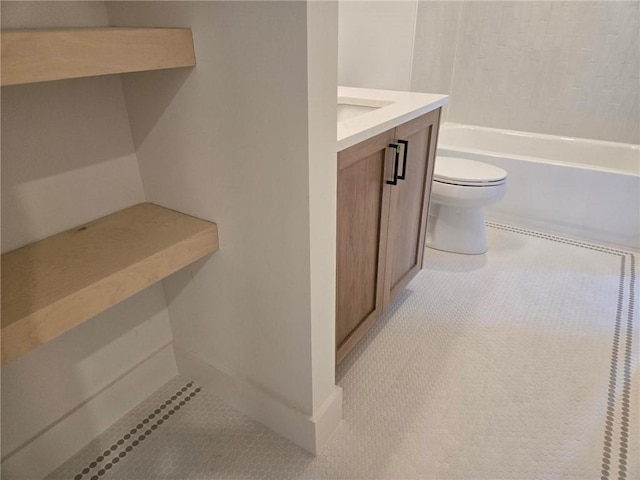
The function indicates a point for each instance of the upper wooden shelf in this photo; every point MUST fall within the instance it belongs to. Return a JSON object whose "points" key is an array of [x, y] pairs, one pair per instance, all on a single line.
{"points": [[30, 56], [50, 286]]}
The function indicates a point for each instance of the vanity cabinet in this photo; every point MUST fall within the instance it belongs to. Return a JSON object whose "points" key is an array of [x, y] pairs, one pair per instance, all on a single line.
{"points": [[382, 202]]}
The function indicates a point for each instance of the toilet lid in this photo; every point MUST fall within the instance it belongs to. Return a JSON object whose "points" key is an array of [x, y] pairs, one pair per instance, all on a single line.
{"points": [[461, 171]]}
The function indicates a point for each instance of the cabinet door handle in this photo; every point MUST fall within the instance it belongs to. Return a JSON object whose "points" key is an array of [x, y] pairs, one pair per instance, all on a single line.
{"points": [[396, 148], [404, 160]]}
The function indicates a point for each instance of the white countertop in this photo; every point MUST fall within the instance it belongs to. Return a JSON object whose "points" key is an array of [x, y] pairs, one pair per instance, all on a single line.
{"points": [[395, 108]]}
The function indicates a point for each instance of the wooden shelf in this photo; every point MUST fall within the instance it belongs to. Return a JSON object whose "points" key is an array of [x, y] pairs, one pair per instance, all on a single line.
{"points": [[50, 286], [30, 56]]}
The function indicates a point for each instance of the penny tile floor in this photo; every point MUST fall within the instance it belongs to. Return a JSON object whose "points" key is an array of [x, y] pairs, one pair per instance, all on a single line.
{"points": [[518, 364]]}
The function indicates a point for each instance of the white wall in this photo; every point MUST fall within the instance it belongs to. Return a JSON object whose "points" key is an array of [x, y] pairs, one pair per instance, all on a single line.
{"points": [[67, 158], [434, 53], [376, 43], [563, 68], [230, 141]]}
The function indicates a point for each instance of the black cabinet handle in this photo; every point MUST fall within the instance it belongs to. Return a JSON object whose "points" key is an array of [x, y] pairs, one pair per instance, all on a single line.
{"points": [[404, 161], [395, 164]]}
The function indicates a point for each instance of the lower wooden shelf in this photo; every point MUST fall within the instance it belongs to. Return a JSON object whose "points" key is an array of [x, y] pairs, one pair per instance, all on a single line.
{"points": [[50, 286]]}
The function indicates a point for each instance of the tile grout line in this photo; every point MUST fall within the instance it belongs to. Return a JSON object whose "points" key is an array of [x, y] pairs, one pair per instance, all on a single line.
{"points": [[134, 443]]}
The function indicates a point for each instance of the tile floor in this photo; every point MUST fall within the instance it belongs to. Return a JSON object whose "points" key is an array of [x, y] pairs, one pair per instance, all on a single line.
{"points": [[518, 364]]}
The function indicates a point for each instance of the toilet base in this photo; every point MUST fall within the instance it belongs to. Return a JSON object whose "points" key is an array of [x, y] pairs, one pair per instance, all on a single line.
{"points": [[456, 230]]}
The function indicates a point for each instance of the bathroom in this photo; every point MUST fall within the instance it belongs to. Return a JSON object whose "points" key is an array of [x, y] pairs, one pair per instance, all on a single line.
{"points": [[246, 139]]}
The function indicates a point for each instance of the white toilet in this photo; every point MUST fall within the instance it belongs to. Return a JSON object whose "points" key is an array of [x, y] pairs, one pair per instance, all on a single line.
{"points": [[461, 189]]}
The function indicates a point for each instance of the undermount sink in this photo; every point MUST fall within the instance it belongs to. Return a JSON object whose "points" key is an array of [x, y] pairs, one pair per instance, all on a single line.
{"points": [[345, 112], [349, 108]]}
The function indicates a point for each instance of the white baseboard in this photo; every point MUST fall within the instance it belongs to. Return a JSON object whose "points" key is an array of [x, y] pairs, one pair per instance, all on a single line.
{"points": [[327, 419], [310, 433], [46, 452]]}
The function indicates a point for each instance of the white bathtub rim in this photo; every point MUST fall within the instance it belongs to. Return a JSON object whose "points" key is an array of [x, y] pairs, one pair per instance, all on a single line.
{"points": [[542, 137], [453, 151]]}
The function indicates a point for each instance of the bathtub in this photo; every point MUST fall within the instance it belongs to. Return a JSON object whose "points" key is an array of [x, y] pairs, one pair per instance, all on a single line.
{"points": [[582, 188]]}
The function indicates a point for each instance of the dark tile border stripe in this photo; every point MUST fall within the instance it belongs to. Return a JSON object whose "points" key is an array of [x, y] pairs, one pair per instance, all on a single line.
{"points": [[613, 379], [567, 241], [148, 430], [625, 413], [626, 390]]}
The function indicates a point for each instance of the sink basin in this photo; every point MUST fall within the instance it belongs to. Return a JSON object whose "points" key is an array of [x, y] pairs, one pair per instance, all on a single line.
{"points": [[349, 108], [345, 112]]}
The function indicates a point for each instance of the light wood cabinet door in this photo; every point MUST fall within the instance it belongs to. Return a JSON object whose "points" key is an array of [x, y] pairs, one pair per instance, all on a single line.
{"points": [[381, 227], [409, 203], [363, 213]]}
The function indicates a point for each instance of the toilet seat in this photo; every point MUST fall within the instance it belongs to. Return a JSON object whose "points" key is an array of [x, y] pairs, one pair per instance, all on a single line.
{"points": [[467, 173]]}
